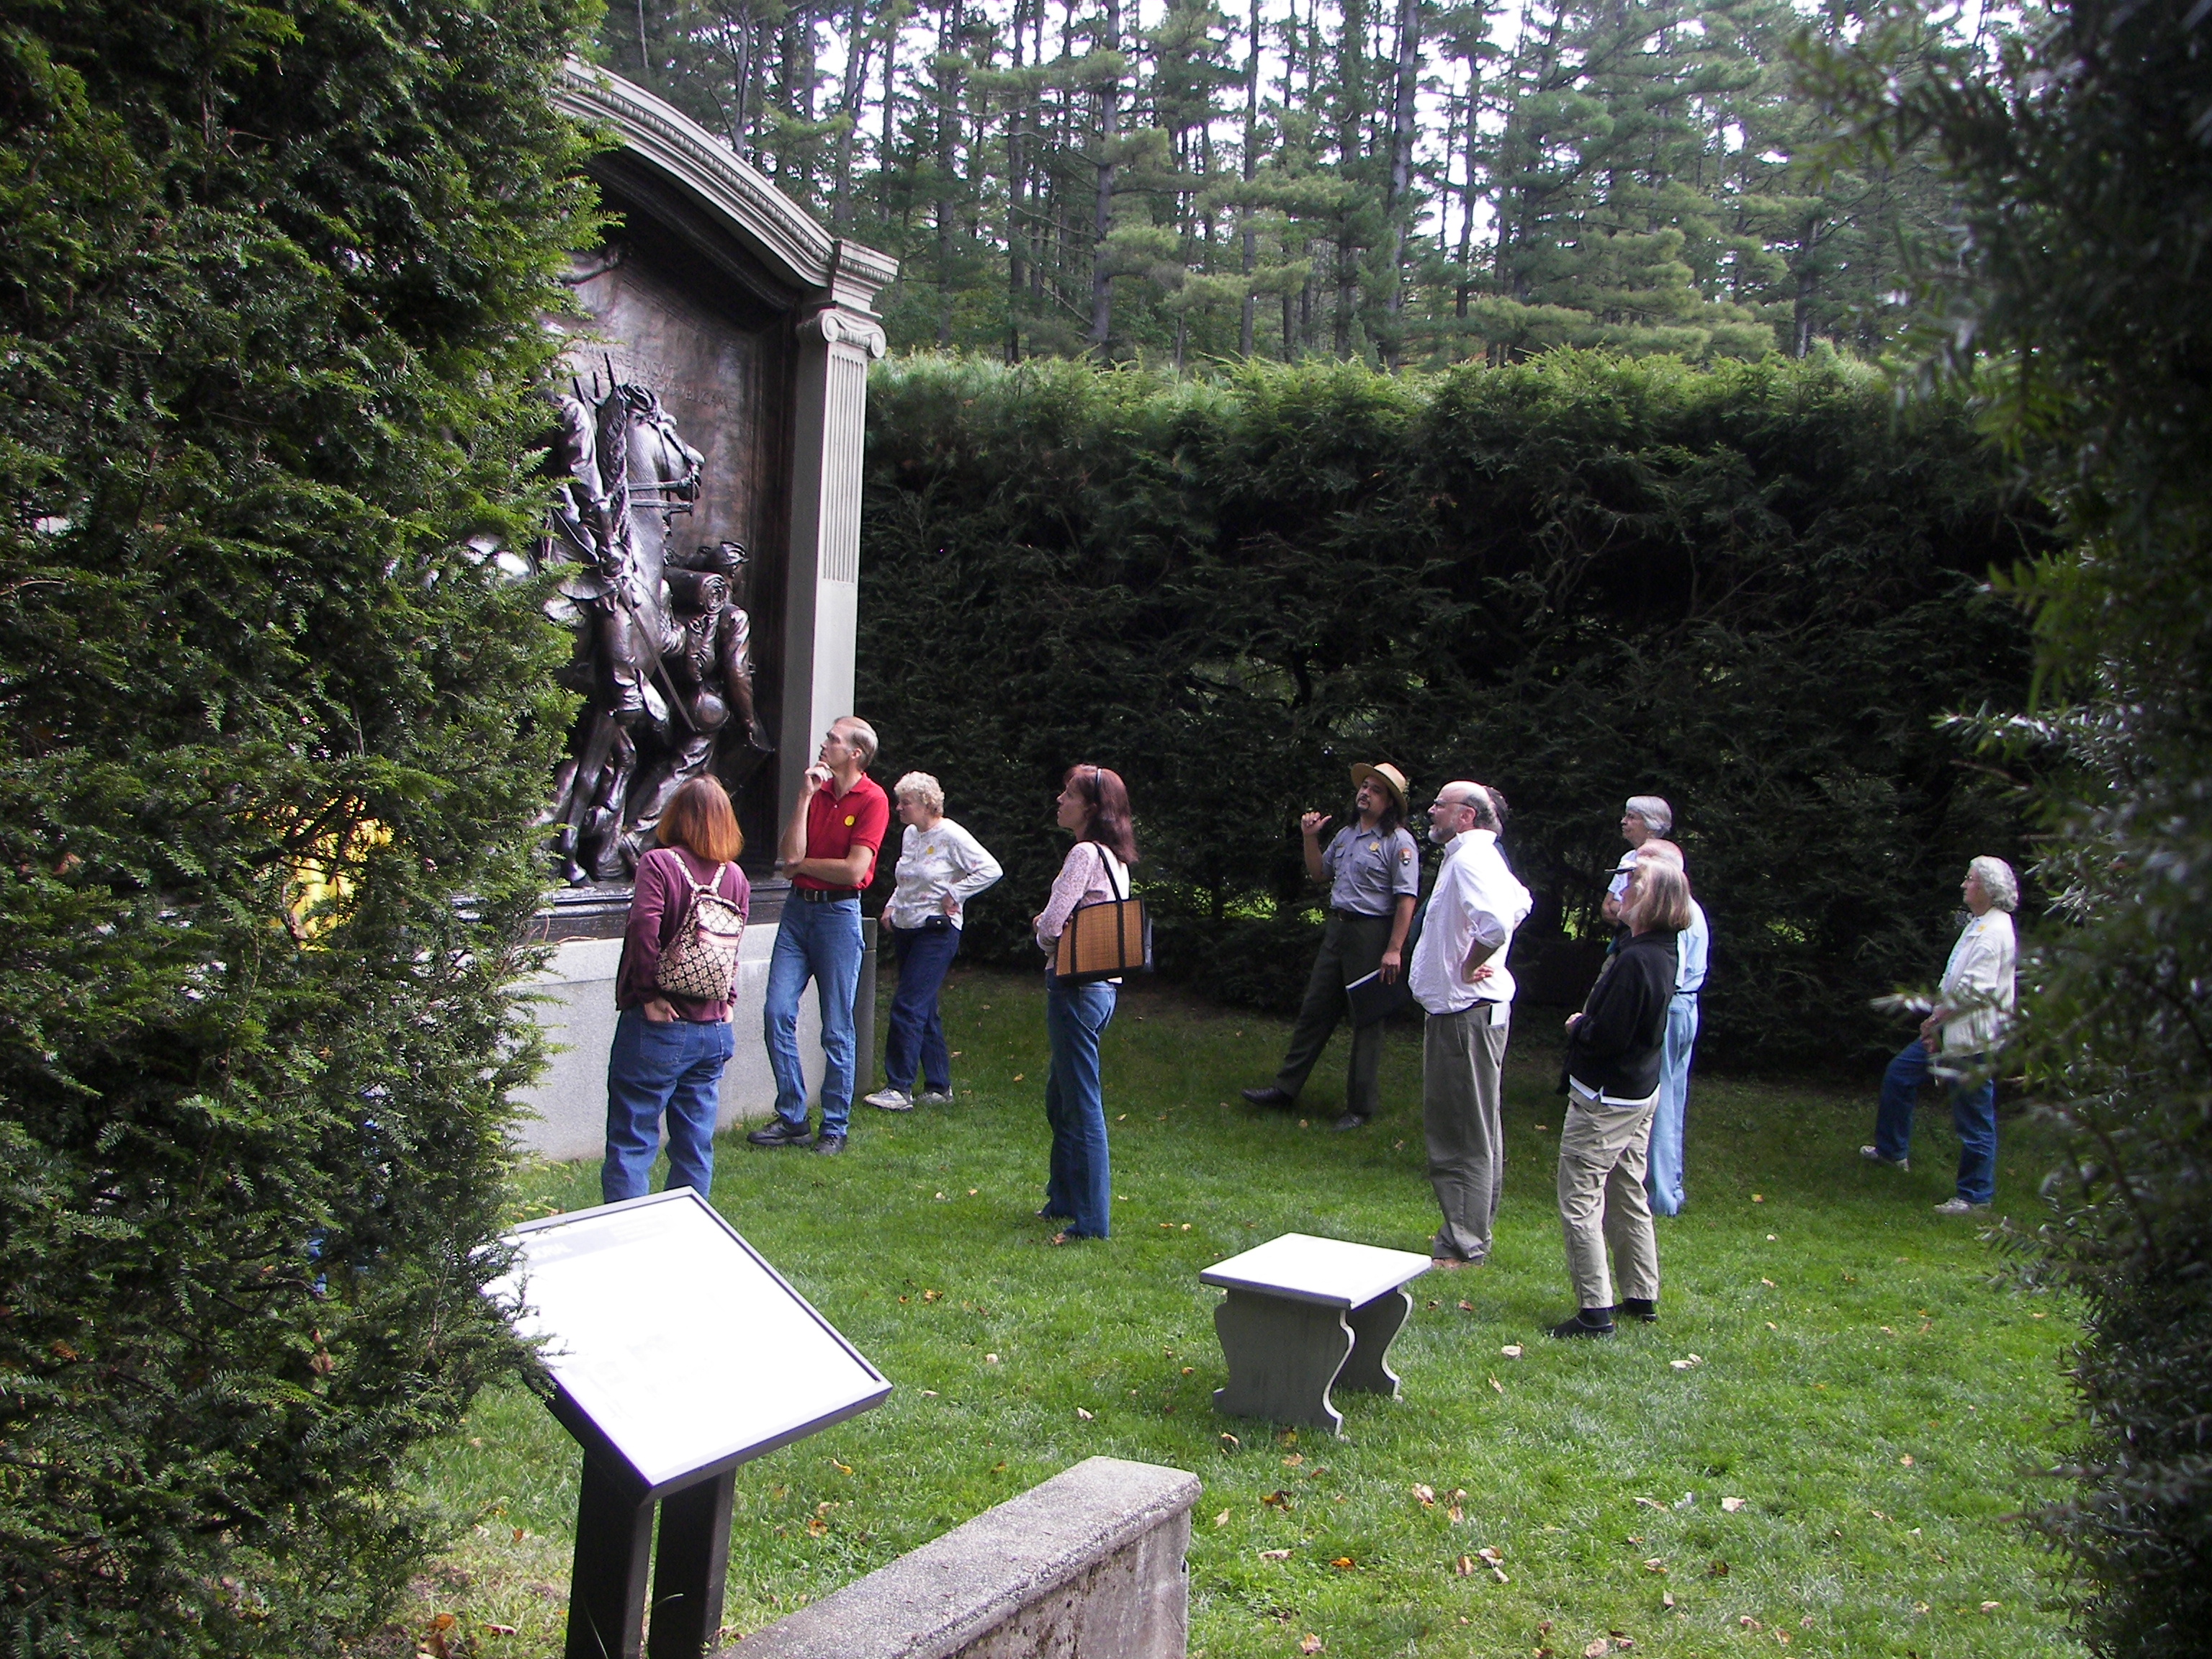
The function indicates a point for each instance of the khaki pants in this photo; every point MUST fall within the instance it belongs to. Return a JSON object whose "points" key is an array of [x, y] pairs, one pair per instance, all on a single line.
{"points": [[1462, 1060], [1602, 1149]]}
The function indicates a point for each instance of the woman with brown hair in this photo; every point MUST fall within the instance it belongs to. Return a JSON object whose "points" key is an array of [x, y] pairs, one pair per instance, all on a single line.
{"points": [[1094, 807], [670, 1049], [1616, 1047]]}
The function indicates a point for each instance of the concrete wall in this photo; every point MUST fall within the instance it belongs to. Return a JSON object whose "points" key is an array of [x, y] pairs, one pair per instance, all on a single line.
{"points": [[575, 1008], [1088, 1565]]}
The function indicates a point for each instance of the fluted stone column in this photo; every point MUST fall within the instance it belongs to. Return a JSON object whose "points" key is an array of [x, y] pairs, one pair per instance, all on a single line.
{"points": [[822, 598]]}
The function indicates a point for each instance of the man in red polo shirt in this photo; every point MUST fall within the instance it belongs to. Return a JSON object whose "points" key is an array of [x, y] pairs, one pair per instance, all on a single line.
{"points": [[828, 851]]}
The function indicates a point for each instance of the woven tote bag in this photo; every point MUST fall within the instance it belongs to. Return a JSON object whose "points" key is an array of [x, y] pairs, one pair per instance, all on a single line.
{"points": [[702, 961], [1107, 939]]}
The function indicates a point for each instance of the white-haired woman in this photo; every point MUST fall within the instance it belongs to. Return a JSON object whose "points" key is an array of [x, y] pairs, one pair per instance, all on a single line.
{"points": [[941, 866], [1956, 1040]]}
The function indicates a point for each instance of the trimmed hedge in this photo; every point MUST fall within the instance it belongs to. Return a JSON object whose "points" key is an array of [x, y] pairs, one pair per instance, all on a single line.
{"points": [[1752, 590]]}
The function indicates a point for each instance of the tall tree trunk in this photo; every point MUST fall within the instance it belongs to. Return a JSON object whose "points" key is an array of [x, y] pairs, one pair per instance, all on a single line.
{"points": [[860, 47], [1101, 223], [1251, 166], [1351, 151], [1016, 196], [948, 42], [1396, 207]]}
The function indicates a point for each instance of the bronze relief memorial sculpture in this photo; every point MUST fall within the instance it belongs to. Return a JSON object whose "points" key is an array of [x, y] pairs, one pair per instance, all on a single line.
{"points": [[662, 653]]}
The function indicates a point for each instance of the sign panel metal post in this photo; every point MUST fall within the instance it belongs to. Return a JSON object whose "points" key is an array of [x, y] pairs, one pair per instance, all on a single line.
{"points": [[677, 1353]]}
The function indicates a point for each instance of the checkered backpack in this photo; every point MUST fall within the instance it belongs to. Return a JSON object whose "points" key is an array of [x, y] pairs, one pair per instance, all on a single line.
{"points": [[702, 961]]}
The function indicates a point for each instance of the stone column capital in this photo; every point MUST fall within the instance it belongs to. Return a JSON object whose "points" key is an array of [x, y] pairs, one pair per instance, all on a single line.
{"points": [[842, 327]]}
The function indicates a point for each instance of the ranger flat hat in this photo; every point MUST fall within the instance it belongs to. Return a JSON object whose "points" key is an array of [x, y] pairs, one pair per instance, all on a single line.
{"points": [[1389, 775]]}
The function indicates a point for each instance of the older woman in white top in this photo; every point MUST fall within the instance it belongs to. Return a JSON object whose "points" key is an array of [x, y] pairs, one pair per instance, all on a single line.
{"points": [[1964, 1029], [941, 866]]}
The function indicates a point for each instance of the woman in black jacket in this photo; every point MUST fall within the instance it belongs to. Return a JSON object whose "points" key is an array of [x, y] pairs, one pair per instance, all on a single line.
{"points": [[1614, 1047]]}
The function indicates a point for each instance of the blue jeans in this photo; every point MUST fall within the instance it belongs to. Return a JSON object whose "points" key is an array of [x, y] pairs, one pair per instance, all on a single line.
{"points": [[1973, 1113], [821, 942], [674, 1067], [1662, 1175], [917, 1034], [1080, 1190]]}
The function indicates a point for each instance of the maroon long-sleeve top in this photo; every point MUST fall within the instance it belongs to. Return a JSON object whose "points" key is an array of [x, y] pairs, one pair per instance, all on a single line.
{"points": [[657, 907]]}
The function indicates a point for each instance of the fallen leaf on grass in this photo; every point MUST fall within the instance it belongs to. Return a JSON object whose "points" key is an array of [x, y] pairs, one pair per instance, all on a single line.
{"points": [[1719, 1570], [1310, 1643], [1657, 1564], [1731, 1504], [1343, 1562], [1496, 1384], [1425, 1496], [1489, 1553], [1294, 1460], [1667, 1598], [1906, 1460], [1991, 1607], [1511, 1351], [499, 1630], [932, 1296], [1275, 1555], [1598, 1649], [841, 1468], [1756, 1198], [990, 1359], [1278, 1499], [1221, 1519], [816, 1527], [1768, 1282], [1018, 1077], [1230, 1441], [1750, 1623], [1652, 1504], [1467, 1307], [1455, 1515], [1081, 1414], [1685, 1364]]}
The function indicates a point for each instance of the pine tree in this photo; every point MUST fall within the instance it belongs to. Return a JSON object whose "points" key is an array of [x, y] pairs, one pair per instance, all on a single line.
{"points": [[272, 735]]}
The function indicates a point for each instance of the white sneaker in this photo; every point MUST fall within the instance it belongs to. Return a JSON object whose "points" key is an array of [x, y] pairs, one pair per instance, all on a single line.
{"points": [[934, 1097], [890, 1100], [1873, 1155], [1958, 1207]]}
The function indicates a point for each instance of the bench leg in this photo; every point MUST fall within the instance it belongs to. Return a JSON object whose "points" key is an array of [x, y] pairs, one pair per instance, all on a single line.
{"points": [[1282, 1356], [1375, 1325]]}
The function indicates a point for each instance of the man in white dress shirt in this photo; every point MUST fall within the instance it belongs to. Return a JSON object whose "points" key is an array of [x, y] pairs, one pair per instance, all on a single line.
{"points": [[1460, 977]]}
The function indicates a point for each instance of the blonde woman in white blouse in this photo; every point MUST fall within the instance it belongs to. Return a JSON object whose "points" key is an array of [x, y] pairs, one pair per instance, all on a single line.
{"points": [[941, 866]]}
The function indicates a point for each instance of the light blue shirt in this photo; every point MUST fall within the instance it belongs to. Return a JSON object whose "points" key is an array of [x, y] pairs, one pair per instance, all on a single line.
{"points": [[1693, 947]]}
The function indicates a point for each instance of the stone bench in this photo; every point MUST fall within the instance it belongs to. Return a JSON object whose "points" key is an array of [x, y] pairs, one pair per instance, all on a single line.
{"points": [[1087, 1565], [1304, 1313]]}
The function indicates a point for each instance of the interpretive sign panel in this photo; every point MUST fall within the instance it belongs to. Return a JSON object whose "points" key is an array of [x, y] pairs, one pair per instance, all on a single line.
{"points": [[676, 1347], [678, 1353]]}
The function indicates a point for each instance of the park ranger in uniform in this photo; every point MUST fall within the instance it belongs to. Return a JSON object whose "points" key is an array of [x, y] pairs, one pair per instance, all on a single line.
{"points": [[1373, 870]]}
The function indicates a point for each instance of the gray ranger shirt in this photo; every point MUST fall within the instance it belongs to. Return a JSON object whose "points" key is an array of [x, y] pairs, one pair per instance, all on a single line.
{"points": [[1368, 870]]}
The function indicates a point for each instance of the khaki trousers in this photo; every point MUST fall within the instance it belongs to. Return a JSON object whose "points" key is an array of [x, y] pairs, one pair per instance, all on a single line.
{"points": [[1462, 1064], [1603, 1148]]}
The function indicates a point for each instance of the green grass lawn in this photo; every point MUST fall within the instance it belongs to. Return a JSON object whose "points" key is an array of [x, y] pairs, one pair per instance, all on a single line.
{"points": [[1833, 1474]]}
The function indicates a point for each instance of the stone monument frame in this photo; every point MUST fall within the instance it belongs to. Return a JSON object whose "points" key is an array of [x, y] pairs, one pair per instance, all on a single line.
{"points": [[673, 184], [717, 233]]}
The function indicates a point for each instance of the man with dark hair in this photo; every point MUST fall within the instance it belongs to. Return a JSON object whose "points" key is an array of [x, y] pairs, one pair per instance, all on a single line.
{"points": [[1460, 977], [828, 851], [1374, 875]]}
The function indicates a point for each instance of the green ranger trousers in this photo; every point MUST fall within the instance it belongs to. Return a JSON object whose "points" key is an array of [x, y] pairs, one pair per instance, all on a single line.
{"points": [[1352, 948]]}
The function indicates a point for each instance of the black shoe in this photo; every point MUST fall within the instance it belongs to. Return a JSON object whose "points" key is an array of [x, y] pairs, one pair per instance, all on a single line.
{"points": [[830, 1146], [1270, 1096], [1352, 1121], [1630, 1307], [1584, 1324], [781, 1133]]}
